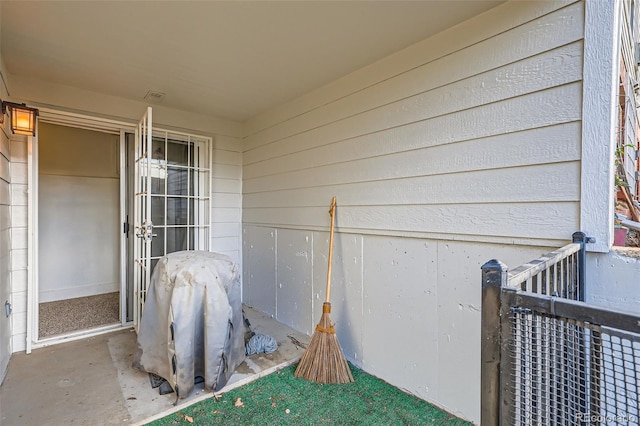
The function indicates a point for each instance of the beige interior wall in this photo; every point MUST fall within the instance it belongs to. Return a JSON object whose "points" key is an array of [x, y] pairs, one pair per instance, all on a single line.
{"points": [[68, 151], [78, 212]]}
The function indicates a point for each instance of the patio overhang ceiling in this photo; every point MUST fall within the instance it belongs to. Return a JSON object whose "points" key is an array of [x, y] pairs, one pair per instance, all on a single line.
{"points": [[228, 59]]}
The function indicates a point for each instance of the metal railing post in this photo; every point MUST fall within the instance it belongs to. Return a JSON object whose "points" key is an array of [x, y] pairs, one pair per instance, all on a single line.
{"points": [[494, 277], [588, 387], [581, 238]]}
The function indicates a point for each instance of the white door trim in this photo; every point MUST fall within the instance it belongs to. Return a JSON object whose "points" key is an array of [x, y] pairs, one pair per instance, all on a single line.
{"points": [[32, 244], [60, 117], [142, 225], [123, 236]]}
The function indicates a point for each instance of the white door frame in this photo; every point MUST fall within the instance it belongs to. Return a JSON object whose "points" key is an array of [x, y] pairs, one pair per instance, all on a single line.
{"points": [[53, 116], [88, 122], [142, 225], [123, 221], [32, 243]]}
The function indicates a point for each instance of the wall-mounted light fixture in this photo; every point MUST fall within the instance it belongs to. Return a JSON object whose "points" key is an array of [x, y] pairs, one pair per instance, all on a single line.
{"points": [[23, 118]]}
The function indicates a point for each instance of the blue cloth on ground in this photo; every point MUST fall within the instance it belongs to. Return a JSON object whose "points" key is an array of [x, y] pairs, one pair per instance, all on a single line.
{"points": [[261, 343]]}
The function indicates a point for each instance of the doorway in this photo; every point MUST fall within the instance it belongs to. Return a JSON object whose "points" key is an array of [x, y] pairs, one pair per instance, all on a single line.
{"points": [[78, 229], [85, 197]]}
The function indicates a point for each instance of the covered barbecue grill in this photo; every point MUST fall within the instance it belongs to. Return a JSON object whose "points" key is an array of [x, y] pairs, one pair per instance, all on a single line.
{"points": [[192, 325]]}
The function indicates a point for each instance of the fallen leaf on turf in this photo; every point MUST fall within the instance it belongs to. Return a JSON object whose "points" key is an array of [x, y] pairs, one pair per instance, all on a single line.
{"points": [[180, 415], [188, 418], [216, 412], [273, 404], [238, 403]]}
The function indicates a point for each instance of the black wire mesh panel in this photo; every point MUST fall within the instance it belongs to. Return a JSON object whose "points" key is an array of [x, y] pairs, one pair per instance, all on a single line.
{"points": [[565, 372], [619, 360]]}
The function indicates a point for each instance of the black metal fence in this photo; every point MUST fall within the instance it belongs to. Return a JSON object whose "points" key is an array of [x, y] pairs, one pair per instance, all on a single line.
{"points": [[549, 358]]}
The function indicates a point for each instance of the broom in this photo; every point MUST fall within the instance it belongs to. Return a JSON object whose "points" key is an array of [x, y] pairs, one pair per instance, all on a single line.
{"points": [[323, 360]]}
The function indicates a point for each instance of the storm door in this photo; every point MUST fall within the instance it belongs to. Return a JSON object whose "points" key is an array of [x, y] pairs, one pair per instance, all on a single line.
{"points": [[171, 200]]}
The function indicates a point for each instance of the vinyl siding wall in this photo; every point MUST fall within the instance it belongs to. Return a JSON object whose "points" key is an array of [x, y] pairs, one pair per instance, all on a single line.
{"points": [[463, 147], [19, 240], [5, 249], [226, 217]]}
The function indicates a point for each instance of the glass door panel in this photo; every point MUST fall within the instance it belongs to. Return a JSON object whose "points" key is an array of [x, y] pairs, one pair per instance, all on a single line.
{"points": [[180, 189]]}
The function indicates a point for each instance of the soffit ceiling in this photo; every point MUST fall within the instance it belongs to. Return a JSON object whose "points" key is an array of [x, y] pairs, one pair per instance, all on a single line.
{"points": [[230, 59]]}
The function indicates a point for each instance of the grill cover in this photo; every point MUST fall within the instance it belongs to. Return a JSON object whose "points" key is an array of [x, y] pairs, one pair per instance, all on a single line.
{"points": [[192, 324]]}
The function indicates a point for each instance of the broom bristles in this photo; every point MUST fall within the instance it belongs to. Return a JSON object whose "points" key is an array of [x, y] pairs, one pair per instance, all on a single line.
{"points": [[323, 360]]}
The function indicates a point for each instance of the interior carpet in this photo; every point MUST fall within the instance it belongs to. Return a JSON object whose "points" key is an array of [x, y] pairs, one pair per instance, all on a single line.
{"points": [[64, 316]]}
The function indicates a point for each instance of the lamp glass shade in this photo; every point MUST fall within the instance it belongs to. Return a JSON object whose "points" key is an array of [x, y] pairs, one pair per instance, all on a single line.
{"points": [[23, 121]]}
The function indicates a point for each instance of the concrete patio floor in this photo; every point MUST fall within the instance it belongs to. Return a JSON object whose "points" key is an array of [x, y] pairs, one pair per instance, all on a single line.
{"points": [[90, 381]]}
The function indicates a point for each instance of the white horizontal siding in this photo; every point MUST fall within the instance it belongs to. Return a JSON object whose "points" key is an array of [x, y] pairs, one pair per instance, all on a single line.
{"points": [[226, 171], [19, 257], [532, 39], [19, 216], [5, 173], [19, 299], [227, 157], [226, 244], [19, 252], [508, 220], [18, 149], [501, 19], [5, 256], [537, 146], [19, 280], [19, 322], [226, 143], [508, 105], [226, 229], [454, 188], [221, 185], [19, 173], [5, 193], [222, 214], [19, 238], [558, 67], [226, 197], [19, 194], [4, 140]]}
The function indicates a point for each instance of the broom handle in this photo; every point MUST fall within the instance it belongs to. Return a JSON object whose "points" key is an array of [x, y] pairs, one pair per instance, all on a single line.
{"points": [[332, 212]]}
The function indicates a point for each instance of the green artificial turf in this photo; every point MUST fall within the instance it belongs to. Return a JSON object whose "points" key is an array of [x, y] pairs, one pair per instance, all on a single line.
{"points": [[368, 401]]}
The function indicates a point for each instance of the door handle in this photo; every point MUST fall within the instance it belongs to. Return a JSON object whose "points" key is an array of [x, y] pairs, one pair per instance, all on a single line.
{"points": [[146, 231]]}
